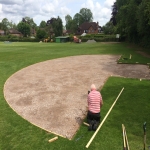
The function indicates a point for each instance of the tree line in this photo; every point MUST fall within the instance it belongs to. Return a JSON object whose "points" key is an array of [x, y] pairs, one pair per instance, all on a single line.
{"points": [[54, 26], [131, 19], [27, 25]]}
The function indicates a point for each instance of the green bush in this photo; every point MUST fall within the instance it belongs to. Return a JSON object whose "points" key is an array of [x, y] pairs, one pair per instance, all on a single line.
{"points": [[99, 38], [17, 39]]}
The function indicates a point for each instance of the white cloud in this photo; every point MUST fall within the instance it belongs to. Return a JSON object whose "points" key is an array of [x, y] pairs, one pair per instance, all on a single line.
{"points": [[109, 3], [0, 8], [101, 11], [48, 8], [40, 10], [64, 11], [11, 2]]}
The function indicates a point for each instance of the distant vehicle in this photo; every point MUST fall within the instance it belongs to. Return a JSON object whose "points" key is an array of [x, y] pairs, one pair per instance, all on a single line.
{"points": [[76, 40]]}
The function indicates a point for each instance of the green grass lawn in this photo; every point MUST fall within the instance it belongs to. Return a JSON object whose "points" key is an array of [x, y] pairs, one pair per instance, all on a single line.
{"points": [[132, 108]]}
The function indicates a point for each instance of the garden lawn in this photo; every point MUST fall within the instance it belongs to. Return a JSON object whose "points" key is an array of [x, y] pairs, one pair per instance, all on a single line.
{"points": [[132, 108]]}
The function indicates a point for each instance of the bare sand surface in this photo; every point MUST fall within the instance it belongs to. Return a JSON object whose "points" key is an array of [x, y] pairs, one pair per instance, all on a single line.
{"points": [[53, 94]]}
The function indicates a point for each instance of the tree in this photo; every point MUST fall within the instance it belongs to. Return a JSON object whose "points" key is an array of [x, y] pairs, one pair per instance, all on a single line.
{"points": [[24, 28], [133, 20], [49, 22], [40, 34], [11, 25], [42, 24], [68, 20], [143, 22], [78, 19], [147, 10], [86, 14], [57, 26], [113, 14], [71, 24], [108, 28], [1, 26], [5, 25], [30, 22]]}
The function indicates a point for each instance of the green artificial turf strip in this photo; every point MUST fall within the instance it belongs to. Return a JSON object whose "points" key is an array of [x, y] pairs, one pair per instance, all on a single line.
{"points": [[131, 109]]}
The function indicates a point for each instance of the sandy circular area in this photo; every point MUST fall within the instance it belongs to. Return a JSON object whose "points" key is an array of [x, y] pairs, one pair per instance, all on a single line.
{"points": [[53, 94]]}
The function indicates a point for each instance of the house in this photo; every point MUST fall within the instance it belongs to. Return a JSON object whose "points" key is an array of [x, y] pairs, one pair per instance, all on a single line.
{"points": [[67, 32], [33, 32], [89, 28], [15, 32], [2, 32]]}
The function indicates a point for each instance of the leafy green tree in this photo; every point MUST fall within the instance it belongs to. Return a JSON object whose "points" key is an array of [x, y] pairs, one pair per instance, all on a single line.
{"points": [[133, 20], [41, 34], [114, 13], [78, 19], [42, 24], [86, 14], [31, 22], [71, 25], [1, 26], [143, 22], [57, 26], [109, 28], [147, 10], [5, 25], [13, 25], [68, 20], [24, 28]]}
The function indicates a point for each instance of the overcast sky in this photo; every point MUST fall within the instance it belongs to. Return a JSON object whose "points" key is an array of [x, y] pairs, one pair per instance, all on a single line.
{"points": [[40, 10]]}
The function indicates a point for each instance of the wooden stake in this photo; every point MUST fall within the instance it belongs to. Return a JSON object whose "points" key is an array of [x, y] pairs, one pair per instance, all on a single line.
{"points": [[124, 140], [53, 139], [88, 144], [130, 56], [86, 124]]}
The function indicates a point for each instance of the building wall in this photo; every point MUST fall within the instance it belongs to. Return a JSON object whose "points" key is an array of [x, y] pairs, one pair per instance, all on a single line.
{"points": [[92, 31], [18, 35]]}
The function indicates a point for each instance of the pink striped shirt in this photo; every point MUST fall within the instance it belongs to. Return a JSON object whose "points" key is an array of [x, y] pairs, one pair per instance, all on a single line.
{"points": [[94, 100]]}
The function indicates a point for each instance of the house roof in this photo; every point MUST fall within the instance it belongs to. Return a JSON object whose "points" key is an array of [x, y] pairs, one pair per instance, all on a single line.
{"points": [[67, 31], [87, 25], [14, 31], [1, 31]]}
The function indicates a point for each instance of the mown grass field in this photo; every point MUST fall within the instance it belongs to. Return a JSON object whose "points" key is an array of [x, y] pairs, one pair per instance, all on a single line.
{"points": [[132, 108]]}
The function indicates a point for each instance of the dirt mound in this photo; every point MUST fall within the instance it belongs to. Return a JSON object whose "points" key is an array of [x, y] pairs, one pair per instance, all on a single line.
{"points": [[91, 41]]}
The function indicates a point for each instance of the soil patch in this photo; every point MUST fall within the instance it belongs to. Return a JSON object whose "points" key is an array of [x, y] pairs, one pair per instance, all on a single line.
{"points": [[53, 94], [143, 54]]}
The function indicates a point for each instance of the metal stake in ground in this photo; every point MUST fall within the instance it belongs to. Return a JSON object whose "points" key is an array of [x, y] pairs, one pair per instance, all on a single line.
{"points": [[144, 128], [88, 144]]}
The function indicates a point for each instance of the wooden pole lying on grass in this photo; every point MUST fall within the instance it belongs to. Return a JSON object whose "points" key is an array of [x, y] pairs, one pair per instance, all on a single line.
{"points": [[53, 139], [86, 124], [88, 144]]}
